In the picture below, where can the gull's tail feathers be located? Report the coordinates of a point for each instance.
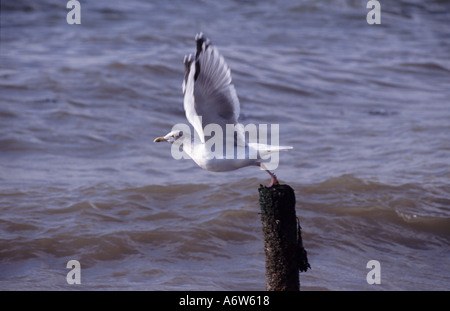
(264, 149)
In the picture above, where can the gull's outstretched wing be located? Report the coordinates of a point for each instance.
(209, 96)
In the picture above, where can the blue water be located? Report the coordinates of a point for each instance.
(366, 108)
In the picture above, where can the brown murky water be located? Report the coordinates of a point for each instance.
(366, 109)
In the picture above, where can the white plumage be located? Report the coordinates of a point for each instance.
(210, 98)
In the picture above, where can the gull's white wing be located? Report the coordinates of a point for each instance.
(209, 96)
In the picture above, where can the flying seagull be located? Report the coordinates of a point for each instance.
(210, 99)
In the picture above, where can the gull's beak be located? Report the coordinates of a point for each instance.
(159, 139)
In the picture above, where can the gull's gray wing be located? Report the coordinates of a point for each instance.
(209, 96)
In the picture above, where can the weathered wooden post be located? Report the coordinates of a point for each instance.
(283, 245)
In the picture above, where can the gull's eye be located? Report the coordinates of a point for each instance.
(180, 134)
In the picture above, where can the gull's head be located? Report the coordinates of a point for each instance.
(171, 137)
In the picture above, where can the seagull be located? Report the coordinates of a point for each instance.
(210, 98)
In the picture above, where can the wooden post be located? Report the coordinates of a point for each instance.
(283, 245)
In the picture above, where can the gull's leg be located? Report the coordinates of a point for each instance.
(273, 178)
